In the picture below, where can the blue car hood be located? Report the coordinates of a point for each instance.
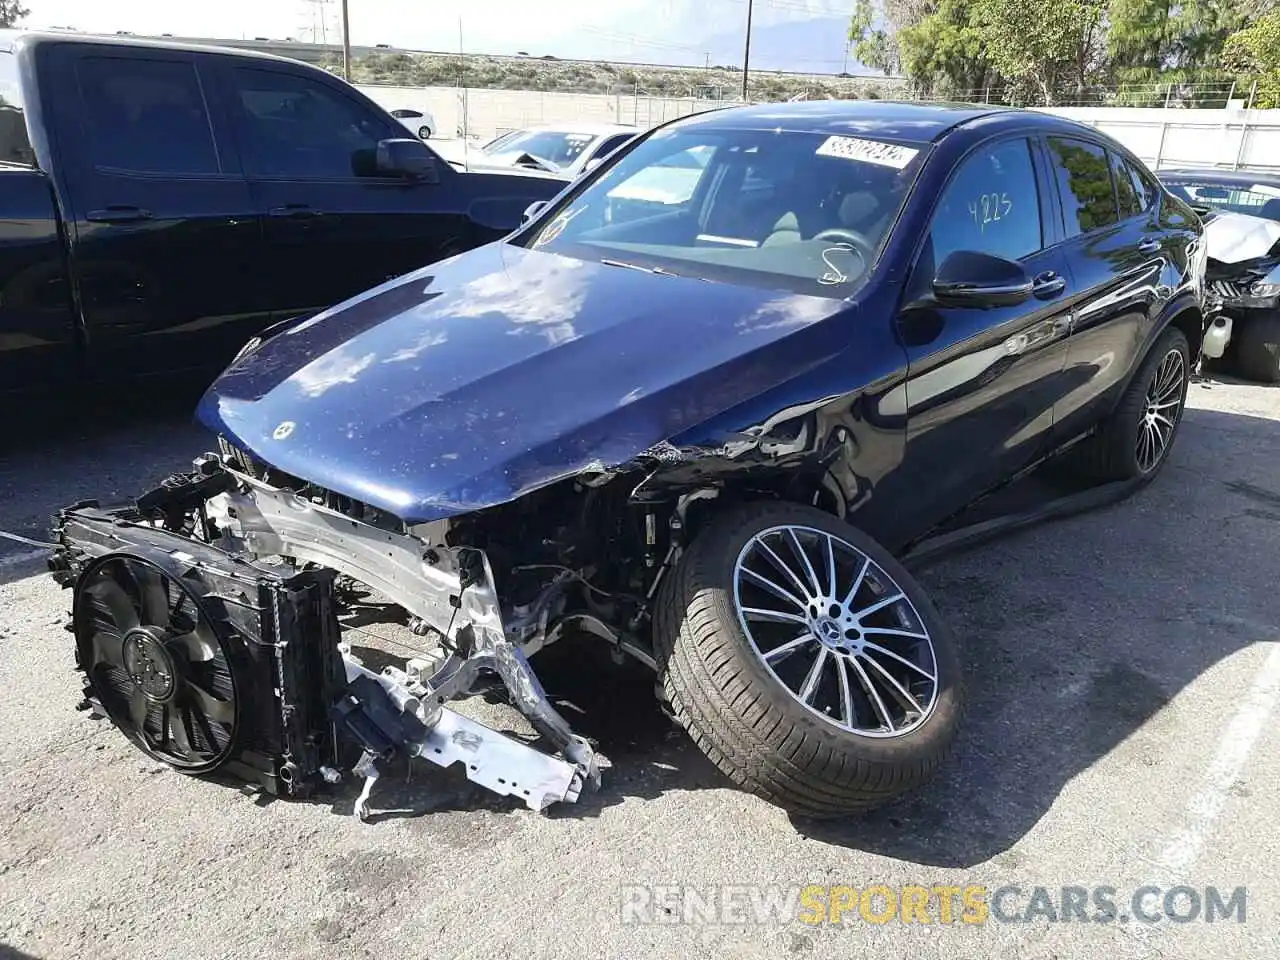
(480, 378)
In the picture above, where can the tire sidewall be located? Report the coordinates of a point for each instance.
(728, 537)
(1170, 339)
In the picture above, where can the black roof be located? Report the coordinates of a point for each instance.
(889, 119)
(10, 39)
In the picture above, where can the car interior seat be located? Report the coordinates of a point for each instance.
(1271, 209)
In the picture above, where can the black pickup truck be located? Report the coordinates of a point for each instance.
(162, 203)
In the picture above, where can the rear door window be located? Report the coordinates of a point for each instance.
(1084, 183)
(147, 115)
(1144, 189)
(1126, 195)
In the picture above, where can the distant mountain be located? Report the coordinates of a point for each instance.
(807, 36)
(805, 46)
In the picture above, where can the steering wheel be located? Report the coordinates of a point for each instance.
(855, 240)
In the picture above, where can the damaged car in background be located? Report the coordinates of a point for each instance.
(1241, 212)
(701, 430)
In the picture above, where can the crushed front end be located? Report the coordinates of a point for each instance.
(206, 625)
(1242, 276)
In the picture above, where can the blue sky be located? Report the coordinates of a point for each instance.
(645, 29)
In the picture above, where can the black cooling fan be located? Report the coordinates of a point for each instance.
(157, 662)
(206, 660)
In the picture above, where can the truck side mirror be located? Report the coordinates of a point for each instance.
(408, 158)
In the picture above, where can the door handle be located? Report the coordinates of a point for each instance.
(1149, 245)
(118, 213)
(295, 210)
(1048, 284)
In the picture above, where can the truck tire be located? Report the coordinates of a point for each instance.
(1257, 353)
(844, 699)
(1134, 440)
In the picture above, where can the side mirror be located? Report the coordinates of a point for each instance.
(408, 158)
(971, 279)
(591, 165)
(531, 211)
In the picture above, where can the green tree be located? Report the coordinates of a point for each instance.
(1042, 48)
(945, 52)
(873, 43)
(1180, 42)
(1254, 53)
(11, 11)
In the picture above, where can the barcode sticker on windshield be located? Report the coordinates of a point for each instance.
(868, 151)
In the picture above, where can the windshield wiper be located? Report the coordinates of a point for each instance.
(660, 271)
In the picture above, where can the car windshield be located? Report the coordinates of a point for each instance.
(561, 148)
(807, 212)
(1255, 199)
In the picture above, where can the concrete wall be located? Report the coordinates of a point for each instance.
(1192, 138)
(1161, 137)
(486, 113)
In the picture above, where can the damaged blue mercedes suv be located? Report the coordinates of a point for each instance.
(695, 408)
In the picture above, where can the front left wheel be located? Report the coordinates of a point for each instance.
(806, 662)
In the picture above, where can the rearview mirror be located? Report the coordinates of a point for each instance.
(971, 279)
(408, 158)
(532, 210)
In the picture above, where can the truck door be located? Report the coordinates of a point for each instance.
(165, 238)
(332, 226)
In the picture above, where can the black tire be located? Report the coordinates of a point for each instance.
(1112, 452)
(1257, 353)
(424, 132)
(741, 715)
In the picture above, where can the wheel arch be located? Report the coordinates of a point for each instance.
(1185, 314)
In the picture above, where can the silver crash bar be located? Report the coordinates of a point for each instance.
(424, 576)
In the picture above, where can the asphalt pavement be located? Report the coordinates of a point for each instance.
(1124, 672)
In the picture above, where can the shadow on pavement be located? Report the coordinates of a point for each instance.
(1074, 637)
(1075, 642)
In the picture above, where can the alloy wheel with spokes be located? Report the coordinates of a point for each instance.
(805, 660)
(1159, 420)
(835, 630)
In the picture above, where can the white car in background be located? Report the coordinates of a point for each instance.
(565, 150)
(420, 122)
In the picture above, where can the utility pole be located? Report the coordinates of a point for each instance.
(746, 52)
(346, 44)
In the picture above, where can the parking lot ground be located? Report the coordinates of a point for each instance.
(1124, 671)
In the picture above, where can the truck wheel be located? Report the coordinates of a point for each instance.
(1133, 442)
(806, 662)
(1258, 349)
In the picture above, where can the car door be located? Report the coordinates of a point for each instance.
(1117, 253)
(166, 242)
(333, 226)
(982, 381)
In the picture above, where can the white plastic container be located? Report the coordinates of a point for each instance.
(1217, 337)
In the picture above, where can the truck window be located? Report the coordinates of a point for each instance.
(294, 127)
(15, 147)
(147, 116)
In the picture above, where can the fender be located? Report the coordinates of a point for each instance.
(1182, 311)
